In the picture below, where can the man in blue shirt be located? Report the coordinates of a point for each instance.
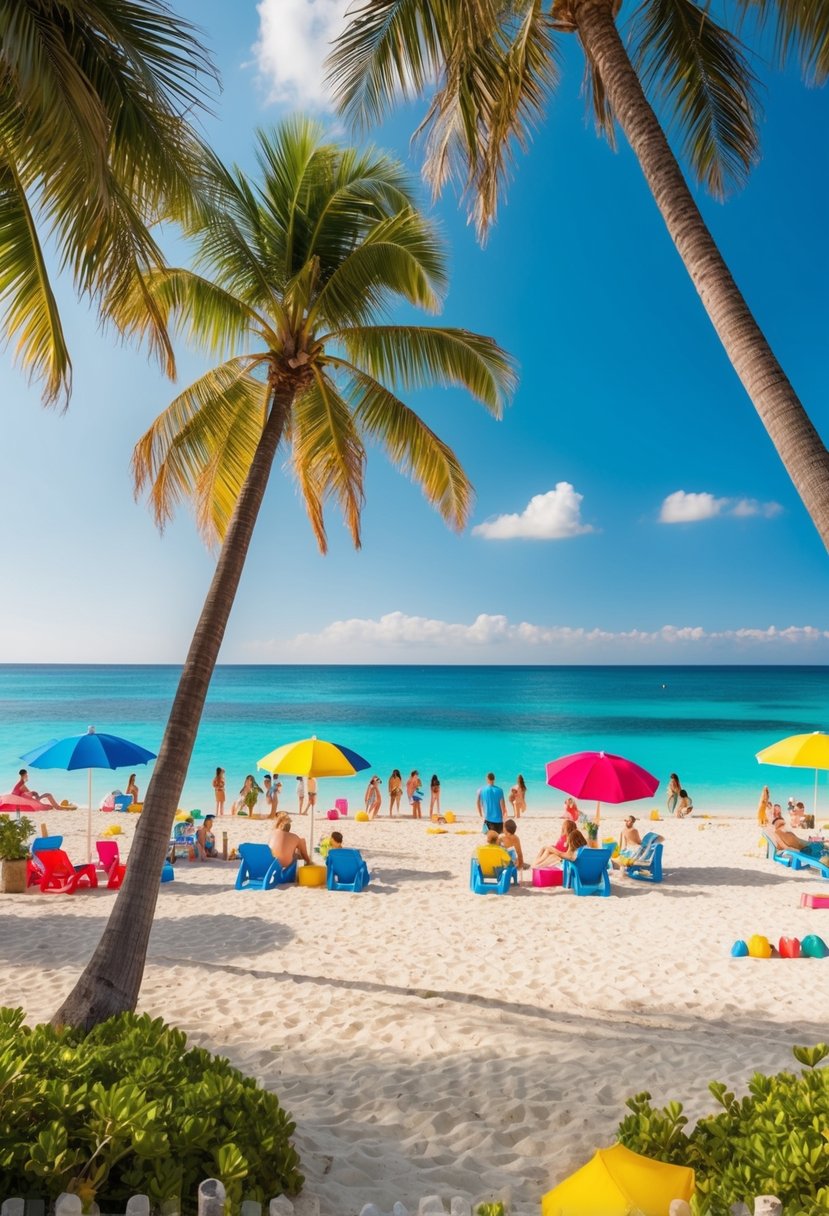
(491, 806)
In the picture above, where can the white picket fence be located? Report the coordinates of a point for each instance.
(212, 1202)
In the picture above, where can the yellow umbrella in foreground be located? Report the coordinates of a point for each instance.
(617, 1181)
(799, 751)
(313, 758)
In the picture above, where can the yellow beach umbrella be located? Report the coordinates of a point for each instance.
(617, 1181)
(799, 751)
(313, 758)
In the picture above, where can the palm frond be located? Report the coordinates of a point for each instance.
(30, 315)
(417, 356)
(414, 448)
(799, 30)
(328, 456)
(699, 75)
(223, 407)
(400, 256)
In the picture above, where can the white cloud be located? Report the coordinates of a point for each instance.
(295, 38)
(555, 515)
(399, 637)
(682, 507)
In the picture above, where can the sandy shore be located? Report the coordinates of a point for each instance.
(429, 1040)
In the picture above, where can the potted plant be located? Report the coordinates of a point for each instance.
(13, 853)
(592, 833)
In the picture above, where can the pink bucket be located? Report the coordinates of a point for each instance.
(342, 805)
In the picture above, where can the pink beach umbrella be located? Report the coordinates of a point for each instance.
(601, 776)
(17, 802)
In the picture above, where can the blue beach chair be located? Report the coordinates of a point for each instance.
(587, 873)
(784, 857)
(346, 870)
(489, 874)
(646, 865)
(260, 871)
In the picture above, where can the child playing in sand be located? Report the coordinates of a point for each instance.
(510, 841)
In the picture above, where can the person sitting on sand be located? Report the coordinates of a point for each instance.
(21, 790)
(784, 839)
(335, 841)
(565, 847)
(205, 840)
(285, 845)
(685, 805)
(509, 840)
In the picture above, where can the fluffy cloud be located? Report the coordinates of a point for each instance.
(555, 515)
(682, 507)
(398, 636)
(295, 38)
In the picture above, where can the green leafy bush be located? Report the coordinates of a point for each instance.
(774, 1141)
(128, 1108)
(13, 836)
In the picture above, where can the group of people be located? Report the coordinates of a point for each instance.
(415, 795)
(680, 803)
(769, 811)
(270, 791)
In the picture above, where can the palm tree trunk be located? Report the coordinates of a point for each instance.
(111, 980)
(789, 426)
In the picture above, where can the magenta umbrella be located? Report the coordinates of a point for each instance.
(601, 776)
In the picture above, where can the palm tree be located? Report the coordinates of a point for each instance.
(491, 65)
(93, 148)
(295, 274)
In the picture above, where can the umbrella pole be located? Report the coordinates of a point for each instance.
(89, 817)
(815, 806)
(311, 833)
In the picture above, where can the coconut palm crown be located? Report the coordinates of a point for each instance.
(294, 279)
(95, 146)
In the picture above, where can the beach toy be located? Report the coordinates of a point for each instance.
(450, 816)
(655, 816)
(436, 832)
(135, 809)
(196, 814)
(814, 947)
(739, 949)
(311, 876)
(167, 872)
(548, 876)
(114, 829)
(181, 815)
(788, 947)
(759, 946)
(814, 901)
(333, 815)
(361, 817)
(341, 805)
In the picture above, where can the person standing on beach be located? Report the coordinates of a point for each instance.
(395, 791)
(300, 793)
(373, 799)
(219, 788)
(266, 781)
(764, 808)
(414, 792)
(312, 793)
(491, 806)
(518, 797)
(674, 788)
(434, 797)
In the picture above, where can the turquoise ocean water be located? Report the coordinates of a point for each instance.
(706, 723)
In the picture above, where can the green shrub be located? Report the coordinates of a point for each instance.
(128, 1108)
(774, 1141)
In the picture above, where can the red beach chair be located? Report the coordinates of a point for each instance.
(109, 856)
(60, 876)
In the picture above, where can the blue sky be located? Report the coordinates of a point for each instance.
(627, 412)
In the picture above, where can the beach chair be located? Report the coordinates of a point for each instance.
(109, 858)
(646, 865)
(182, 843)
(60, 877)
(346, 870)
(784, 857)
(809, 862)
(260, 871)
(34, 868)
(587, 873)
(489, 874)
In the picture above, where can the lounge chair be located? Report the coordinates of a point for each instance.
(489, 874)
(109, 857)
(587, 873)
(808, 861)
(60, 877)
(647, 863)
(40, 844)
(784, 857)
(260, 871)
(346, 870)
(182, 843)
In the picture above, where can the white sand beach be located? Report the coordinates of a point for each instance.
(427, 1040)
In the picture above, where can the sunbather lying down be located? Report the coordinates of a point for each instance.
(786, 839)
(21, 790)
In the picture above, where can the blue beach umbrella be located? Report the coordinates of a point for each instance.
(88, 751)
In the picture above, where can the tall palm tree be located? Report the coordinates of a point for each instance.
(490, 66)
(94, 147)
(295, 274)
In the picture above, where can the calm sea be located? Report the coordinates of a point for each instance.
(706, 723)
